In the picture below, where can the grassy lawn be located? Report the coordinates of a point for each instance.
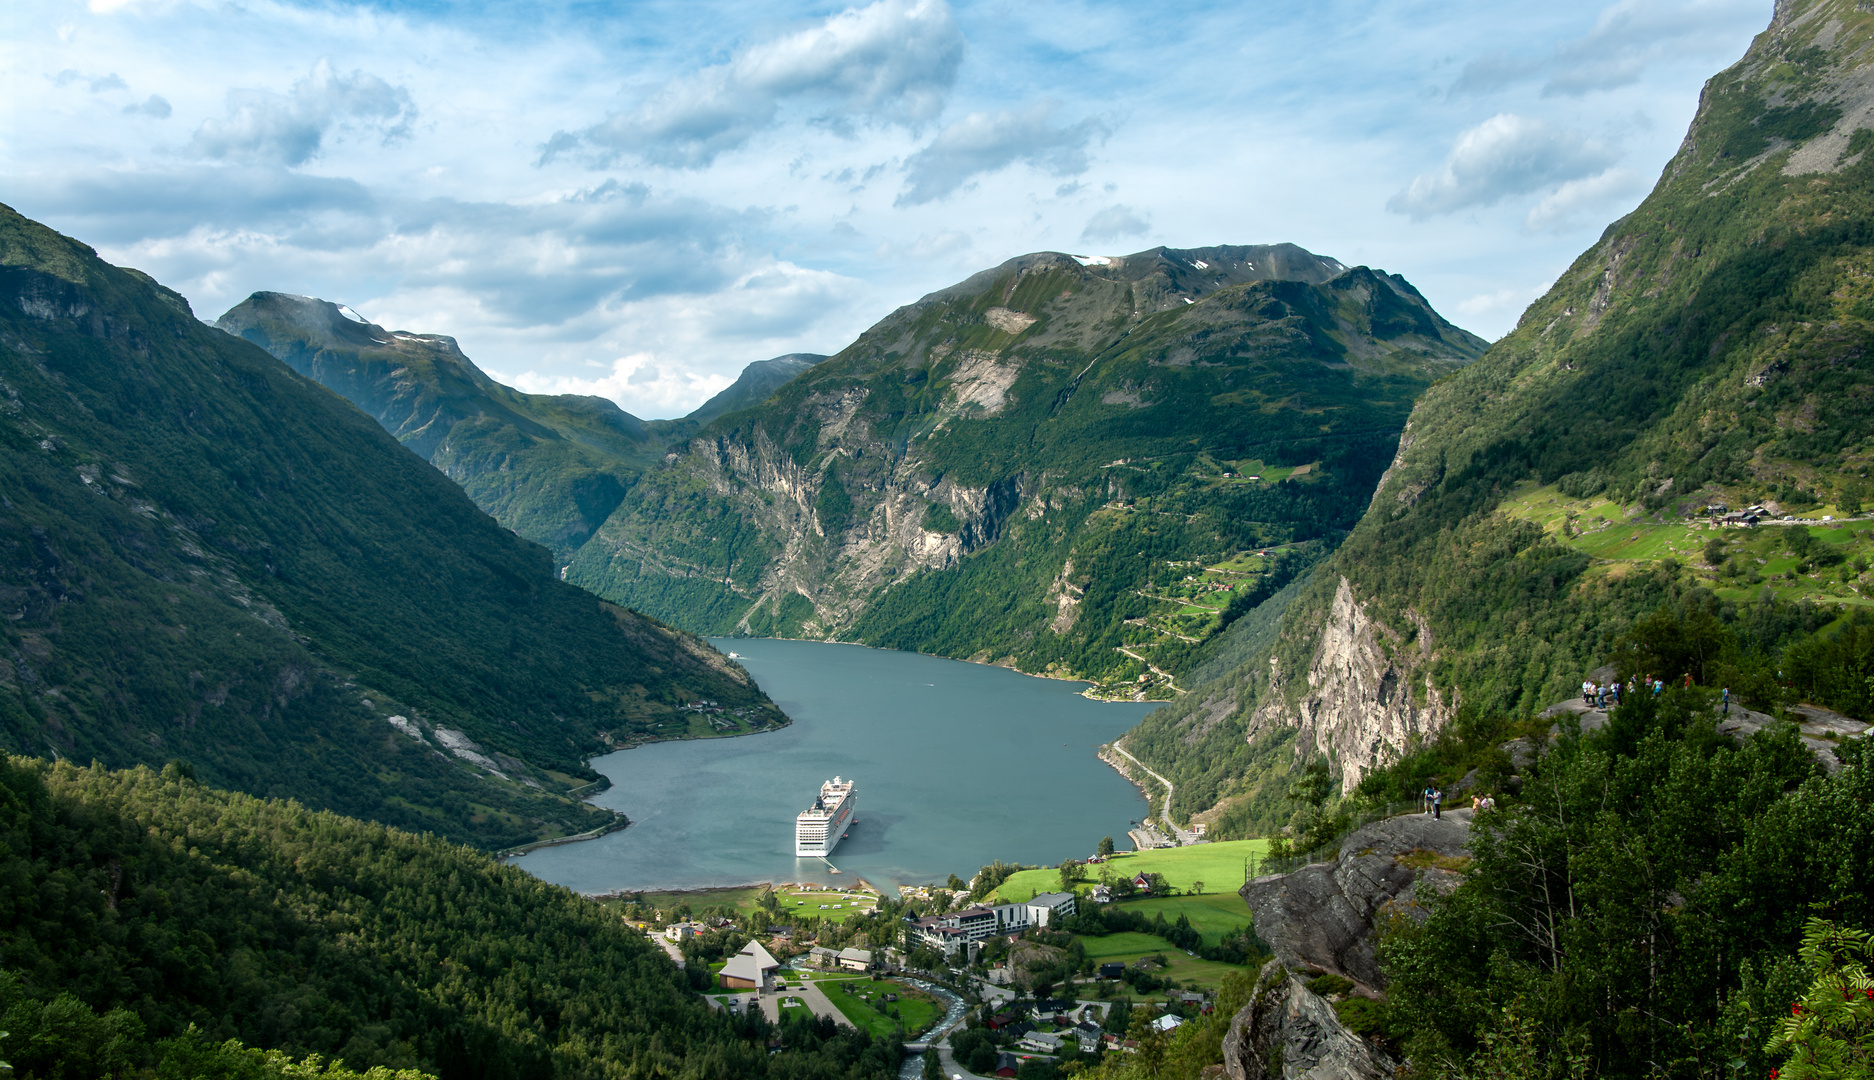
(1218, 866)
(855, 999)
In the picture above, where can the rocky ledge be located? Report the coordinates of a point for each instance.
(1322, 918)
(1288, 1032)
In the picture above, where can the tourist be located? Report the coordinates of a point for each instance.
(1587, 691)
(1438, 797)
(1727, 701)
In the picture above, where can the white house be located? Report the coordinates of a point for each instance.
(856, 959)
(1167, 1022)
(1042, 1041)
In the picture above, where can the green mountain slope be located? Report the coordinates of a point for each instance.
(1710, 349)
(1067, 465)
(756, 384)
(550, 467)
(207, 556)
(135, 907)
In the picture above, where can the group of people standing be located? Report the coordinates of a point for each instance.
(1601, 695)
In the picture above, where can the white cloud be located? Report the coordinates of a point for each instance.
(635, 382)
(1502, 306)
(154, 106)
(892, 62)
(1586, 198)
(1631, 34)
(1116, 221)
(1627, 37)
(984, 142)
(1503, 156)
(262, 127)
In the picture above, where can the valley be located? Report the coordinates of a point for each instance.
(358, 718)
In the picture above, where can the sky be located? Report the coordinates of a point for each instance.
(637, 199)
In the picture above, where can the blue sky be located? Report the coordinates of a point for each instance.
(635, 200)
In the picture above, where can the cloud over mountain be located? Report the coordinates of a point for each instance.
(1625, 39)
(983, 142)
(891, 62)
(1114, 222)
(262, 127)
(1503, 156)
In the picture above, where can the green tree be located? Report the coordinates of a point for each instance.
(1106, 846)
(1829, 1034)
(1070, 874)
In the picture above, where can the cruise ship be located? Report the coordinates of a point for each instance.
(820, 827)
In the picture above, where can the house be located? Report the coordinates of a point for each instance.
(855, 959)
(1001, 1020)
(1051, 1006)
(1143, 884)
(821, 956)
(1007, 1064)
(1113, 971)
(1042, 1042)
(749, 969)
(1102, 894)
(1167, 1022)
(680, 931)
(1088, 1033)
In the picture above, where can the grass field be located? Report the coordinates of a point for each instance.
(859, 1000)
(1212, 915)
(1127, 948)
(1218, 866)
(1760, 557)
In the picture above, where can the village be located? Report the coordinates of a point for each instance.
(1017, 972)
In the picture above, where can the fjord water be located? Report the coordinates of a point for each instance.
(957, 764)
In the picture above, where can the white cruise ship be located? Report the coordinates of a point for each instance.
(820, 827)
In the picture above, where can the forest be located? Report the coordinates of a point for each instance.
(153, 926)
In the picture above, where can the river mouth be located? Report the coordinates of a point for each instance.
(957, 765)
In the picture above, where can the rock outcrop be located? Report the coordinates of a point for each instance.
(1288, 1032)
(1361, 706)
(1323, 917)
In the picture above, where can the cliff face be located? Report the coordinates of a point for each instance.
(1288, 1032)
(1366, 694)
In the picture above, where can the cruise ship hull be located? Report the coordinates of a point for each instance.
(818, 830)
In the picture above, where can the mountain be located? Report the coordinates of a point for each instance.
(551, 467)
(1072, 465)
(206, 556)
(1546, 511)
(757, 383)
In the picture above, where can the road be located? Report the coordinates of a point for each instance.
(1184, 836)
(1156, 670)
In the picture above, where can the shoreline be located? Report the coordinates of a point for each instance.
(1117, 761)
(1086, 693)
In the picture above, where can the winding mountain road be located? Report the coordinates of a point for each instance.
(1184, 836)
